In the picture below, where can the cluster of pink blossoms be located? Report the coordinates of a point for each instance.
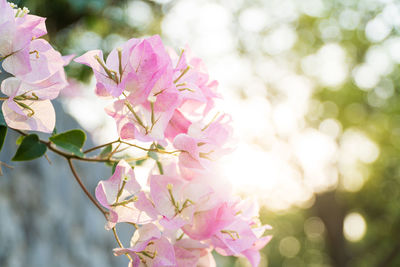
(36, 70)
(186, 210)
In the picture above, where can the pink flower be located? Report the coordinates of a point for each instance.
(177, 124)
(234, 238)
(47, 77)
(253, 253)
(203, 143)
(188, 252)
(146, 121)
(27, 107)
(119, 194)
(138, 67)
(16, 33)
(152, 70)
(111, 75)
(191, 79)
(176, 199)
(207, 223)
(25, 113)
(148, 245)
(246, 234)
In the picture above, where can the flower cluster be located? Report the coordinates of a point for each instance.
(35, 70)
(186, 210)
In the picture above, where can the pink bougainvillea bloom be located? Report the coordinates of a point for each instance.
(253, 253)
(191, 79)
(203, 143)
(47, 76)
(146, 121)
(234, 238)
(176, 199)
(111, 75)
(188, 252)
(177, 124)
(25, 114)
(119, 194)
(148, 244)
(137, 67)
(246, 220)
(207, 223)
(43, 120)
(35, 23)
(152, 70)
(68, 58)
(16, 33)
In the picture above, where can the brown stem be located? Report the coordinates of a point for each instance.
(100, 146)
(68, 155)
(114, 151)
(69, 158)
(150, 149)
(117, 238)
(119, 242)
(83, 187)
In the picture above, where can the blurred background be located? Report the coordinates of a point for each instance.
(313, 88)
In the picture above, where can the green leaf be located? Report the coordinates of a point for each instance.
(140, 162)
(107, 150)
(29, 149)
(113, 167)
(160, 168)
(160, 147)
(54, 131)
(153, 155)
(3, 133)
(72, 141)
(19, 140)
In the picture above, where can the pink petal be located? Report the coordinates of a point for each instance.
(43, 120)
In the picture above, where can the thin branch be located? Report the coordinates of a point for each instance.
(69, 158)
(150, 149)
(119, 242)
(100, 146)
(136, 159)
(83, 187)
(114, 151)
(6, 165)
(117, 238)
(68, 155)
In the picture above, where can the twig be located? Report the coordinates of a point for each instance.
(6, 165)
(100, 146)
(113, 152)
(48, 159)
(150, 149)
(84, 188)
(119, 242)
(68, 155)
